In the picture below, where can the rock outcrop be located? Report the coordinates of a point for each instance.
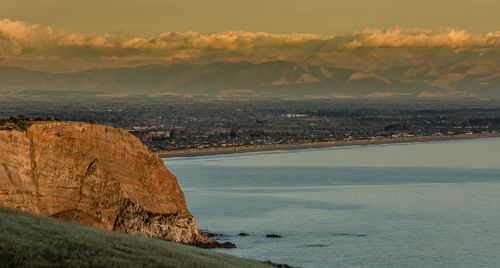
(95, 175)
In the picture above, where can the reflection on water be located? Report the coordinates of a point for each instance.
(425, 204)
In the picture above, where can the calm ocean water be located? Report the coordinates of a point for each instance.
(433, 204)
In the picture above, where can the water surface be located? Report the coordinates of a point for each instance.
(432, 204)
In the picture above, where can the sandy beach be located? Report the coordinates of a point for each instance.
(312, 145)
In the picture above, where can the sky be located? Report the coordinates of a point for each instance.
(436, 43)
(64, 35)
(328, 17)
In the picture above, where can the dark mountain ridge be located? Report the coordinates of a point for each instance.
(460, 78)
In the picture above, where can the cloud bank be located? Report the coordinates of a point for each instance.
(21, 41)
(18, 38)
(437, 37)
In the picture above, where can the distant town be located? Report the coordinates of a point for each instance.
(173, 124)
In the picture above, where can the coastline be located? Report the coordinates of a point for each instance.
(314, 145)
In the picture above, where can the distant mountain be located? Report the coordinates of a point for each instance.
(424, 78)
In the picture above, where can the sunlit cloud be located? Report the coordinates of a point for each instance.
(18, 38)
(21, 42)
(437, 37)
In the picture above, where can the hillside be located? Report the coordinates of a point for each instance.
(419, 79)
(31, 240)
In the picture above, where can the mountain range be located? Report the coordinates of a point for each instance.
(418, 79)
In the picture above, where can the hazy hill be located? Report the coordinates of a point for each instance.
(427, 79)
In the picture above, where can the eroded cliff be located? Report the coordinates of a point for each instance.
(95, 175)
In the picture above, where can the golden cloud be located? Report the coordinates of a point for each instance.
(21, 40)
(16, 37)
(411, 37)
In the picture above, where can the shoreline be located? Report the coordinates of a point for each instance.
(315, 145)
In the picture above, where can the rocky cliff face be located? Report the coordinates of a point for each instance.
(95, 175)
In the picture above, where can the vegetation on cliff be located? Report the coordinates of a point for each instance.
(23, 123)
(29, 240)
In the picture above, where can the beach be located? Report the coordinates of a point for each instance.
(313, 145)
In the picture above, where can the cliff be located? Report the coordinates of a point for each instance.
(94, 175)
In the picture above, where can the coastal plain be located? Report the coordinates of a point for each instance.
(313, 145)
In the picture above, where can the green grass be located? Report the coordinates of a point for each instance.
(30, 240)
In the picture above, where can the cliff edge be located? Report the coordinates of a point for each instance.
(95, 175)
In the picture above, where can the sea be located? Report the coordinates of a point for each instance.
(427, 204)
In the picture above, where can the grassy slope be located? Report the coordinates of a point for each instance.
(31, 240)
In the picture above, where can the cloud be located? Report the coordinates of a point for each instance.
(19, 38)
(411, 37)
(227, 40)
(23, 42)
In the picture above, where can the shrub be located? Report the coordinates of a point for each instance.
(20, 122)
(23, 123)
